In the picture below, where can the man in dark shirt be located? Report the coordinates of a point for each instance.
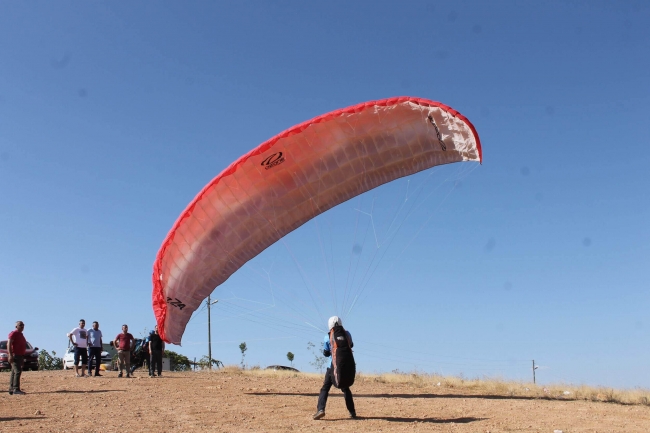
(156, 348)
(16, 347)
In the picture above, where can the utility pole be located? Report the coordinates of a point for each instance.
(210, 333)
(534, 368)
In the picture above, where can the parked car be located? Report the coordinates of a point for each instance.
(68, 358)
(107, 358)
(281, 367)
(31, 357)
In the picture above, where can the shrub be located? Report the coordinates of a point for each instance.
(177, 361)
(49, 362)
(204, 363)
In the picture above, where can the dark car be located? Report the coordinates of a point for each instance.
(31, 357)
(281, 367)
(139, 354)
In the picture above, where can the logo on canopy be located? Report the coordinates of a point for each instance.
(273, 160)
(442, 143)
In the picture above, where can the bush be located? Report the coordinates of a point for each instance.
(319, 359)
(49, 362)
(204, 363)
(177, 361)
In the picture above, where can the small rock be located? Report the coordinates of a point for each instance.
(566, 393)
(558, 431)
(38, 412)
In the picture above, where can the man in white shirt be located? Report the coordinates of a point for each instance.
(80, 344)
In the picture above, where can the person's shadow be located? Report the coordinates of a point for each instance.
(409, 396)
(75, 391)
(432, 420)
(463, 420)
(20, 418)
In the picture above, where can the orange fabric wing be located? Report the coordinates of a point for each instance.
(288, 180)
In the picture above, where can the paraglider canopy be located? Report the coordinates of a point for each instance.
(290, 179)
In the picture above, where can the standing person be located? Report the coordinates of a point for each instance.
(80, 344)
(16, 346)
(95, 345)
(123, 342)
(342, 369)
(156, 349)
(146, 353)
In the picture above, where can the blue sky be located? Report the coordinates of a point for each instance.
(113, 116)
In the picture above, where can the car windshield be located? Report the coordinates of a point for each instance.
(3, 345)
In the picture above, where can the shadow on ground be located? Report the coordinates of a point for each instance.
(78, 391)
(20, 418)
(464, 420)
(479, 396)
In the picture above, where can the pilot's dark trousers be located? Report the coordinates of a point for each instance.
(324, 392)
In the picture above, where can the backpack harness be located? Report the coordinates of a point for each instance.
(343, 365)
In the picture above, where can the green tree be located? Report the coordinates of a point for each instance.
(177, 361)
(290, 357)
(49, 362)
(319, 360)
(243, 349)
(204, 363)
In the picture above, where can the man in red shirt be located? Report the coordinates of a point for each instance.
(16, 350)
(123, 343)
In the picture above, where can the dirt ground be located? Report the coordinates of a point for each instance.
(234, 401)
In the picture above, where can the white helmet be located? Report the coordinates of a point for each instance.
(334, 321)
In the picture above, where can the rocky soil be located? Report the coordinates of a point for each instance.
(235, 401)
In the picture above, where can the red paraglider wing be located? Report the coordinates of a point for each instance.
(291, 178)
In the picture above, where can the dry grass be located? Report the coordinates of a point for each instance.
(485, 386)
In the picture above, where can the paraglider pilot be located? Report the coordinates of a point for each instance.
(342, 369)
